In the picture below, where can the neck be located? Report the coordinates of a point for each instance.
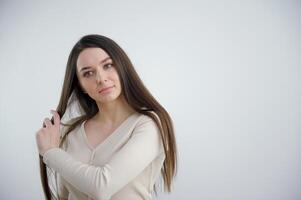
(113, 112)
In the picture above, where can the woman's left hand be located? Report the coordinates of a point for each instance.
(49, 136)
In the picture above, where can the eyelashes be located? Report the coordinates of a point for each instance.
(87, 74)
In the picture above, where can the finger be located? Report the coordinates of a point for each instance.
(37, 135)
(56, 117)
(47, 122)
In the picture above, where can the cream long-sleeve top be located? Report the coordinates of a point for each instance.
(124, 166)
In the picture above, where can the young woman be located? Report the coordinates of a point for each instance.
(122, 141)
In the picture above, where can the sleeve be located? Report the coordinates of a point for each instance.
(101, 182)
(62, 190)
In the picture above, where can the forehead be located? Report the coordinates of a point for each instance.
(90, 56)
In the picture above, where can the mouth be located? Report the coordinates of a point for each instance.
(105, 89)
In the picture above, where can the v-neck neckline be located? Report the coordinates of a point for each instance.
(108, 138)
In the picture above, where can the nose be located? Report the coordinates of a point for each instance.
(100, 77)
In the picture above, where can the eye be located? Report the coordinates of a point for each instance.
(109, 64)
(86, 74)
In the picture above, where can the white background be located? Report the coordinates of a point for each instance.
(227, 72)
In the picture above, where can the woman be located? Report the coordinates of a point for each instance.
(120, 143)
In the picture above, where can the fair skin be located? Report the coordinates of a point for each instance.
(95, 71)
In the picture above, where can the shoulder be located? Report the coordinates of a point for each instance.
(144, 117)
(147, 130)
(146, 121)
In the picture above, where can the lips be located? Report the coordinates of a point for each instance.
(105, 89)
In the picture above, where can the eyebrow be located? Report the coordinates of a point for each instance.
(104, 60)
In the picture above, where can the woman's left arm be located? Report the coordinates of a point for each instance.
(101, 182)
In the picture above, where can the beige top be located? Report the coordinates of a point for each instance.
(124, 166)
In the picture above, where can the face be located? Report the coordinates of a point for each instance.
(96, 71)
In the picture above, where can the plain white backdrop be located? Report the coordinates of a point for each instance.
(227, 72)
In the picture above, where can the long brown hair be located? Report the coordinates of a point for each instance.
(135, 93)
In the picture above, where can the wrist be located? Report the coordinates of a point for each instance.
(48, 149)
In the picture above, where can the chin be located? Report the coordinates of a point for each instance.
(109, 98)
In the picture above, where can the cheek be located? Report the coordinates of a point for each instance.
(86, 85)
(81, 82)
(116, 79)
(117, 83)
